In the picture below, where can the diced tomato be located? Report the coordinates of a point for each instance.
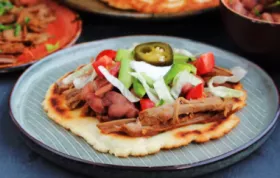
(146, 104)
(108, 52)
(105, 61)
(196, 92)
(205, 63)
(186, 88)
(115, 69)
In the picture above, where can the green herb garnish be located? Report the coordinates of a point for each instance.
(17, 29)
(52, 47)
(5, 27)
(5, 6)
(277, 3)
(26, 20)
(0, 51)
(257, 12)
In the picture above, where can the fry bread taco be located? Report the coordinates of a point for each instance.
(135, 102)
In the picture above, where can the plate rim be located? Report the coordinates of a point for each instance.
(141, 16)
(149, 168)
(69, 44)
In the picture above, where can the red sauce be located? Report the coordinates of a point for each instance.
(63, 30)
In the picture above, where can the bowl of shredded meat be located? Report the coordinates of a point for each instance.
(253, 25)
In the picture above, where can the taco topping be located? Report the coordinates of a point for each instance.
(155, 53)
(130, 91)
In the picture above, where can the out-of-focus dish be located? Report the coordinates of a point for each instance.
(140, 9)
(30, 30)
(259, 10)
(162, 6)
(253, 34)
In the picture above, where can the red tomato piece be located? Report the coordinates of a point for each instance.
(186, 88)
(205, 63)
(105, 61)
(108, 52)
(196, 92)
(146, 104)
(115, 69)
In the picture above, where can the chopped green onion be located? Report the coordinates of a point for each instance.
(257, 12)
(5, 27)
(50, 47)
(0, 51)
(4, 6)
(17, 29)
(26, 20)
(2, 11)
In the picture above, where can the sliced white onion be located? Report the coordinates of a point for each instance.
(82, 81)
(118, 84)
(224, 92)
(163, 91)
(84, 70)
(150, 92)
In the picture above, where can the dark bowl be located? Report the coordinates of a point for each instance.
(252, 36)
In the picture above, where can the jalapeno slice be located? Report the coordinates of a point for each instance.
(155, 53)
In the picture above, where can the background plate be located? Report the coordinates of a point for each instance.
(98, 7)
(74, 37)
(257, 118)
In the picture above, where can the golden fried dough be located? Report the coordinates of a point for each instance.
(162, 6)
(123, 146)
(119, 4)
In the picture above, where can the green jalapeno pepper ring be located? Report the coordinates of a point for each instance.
(155, 53)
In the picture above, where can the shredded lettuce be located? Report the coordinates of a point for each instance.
(148, 79)
(163, 91)
(154, 72)
(184, 52)
(118, 84)
(150, 91)
(224, 92)
(80, 82)
(181, 79)
(177, 68)
(84, 70)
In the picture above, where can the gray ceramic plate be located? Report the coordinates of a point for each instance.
(257, 118)
(98, 7)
